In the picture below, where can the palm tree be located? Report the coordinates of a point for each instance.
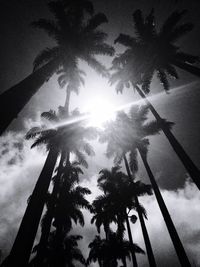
(75, 40)
(69, 202)
(107, 252)
(151, 52)
(128, 134)
(69, 253)
(71, 209)
(120, 193)
(68, 137)
(97, 251)
(67, 208)
(72, 79)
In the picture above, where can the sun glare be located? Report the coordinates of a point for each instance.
(100, 110)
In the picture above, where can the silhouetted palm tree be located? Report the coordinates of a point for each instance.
(75, 39)
(102, 217)
(128, 134)
(97, 251)
(119, 196)
(107, 252)
(71, 199)
(68, 137)
(71, 209)
(68, 256)
(150, 52)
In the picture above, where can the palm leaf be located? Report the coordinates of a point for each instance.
(96, 65)
(126, 40)
(171, 22)
(138, 22)
(48, 26)
(96, 21)
(81, 158)
(171, 71)
(50, 115)
(180, 31)
(33, 132)
(163, 80)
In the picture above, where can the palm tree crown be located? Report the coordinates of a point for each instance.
(129, 132)
(75, 38)
(151, 51)
(71, 137)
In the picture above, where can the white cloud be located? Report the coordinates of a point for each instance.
(20, 167)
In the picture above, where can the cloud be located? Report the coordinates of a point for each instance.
(20, 166)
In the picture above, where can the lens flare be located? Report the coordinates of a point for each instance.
(100, 111)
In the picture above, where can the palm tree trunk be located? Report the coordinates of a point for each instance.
(134, 260)
(120, 230)
(183, 156)
(21, 250)
(49, 216)
(68, 93)
(13, 100)
(151, 258)
(187, 67)
(59, 236)
(180, 251)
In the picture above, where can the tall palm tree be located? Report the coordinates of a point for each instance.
(75, 40)
(128, 134)
(151, 52)
(121, 193)
(70, 137)
(70, 200)
(71, 209)
(67, 208)
(71, 79)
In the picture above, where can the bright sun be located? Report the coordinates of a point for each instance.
(100, 111)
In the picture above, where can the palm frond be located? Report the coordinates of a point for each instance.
(81, 158)
(97, 66)
(33, 132)
(103, 49)
(150, 22)
(143, 210)
(171, 22)
(138, 22)
(62, 80)
(180, 31)
(48, 26)
(171, 71)
(119, 87)
(85, 5)
(126, 40)
(50, 115)
(151, 128)
(88, 149)
(146, 81)
(137, 249)
(163, 80)
(96, 21)
(185, 57)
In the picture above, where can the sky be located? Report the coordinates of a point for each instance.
(20, 165)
